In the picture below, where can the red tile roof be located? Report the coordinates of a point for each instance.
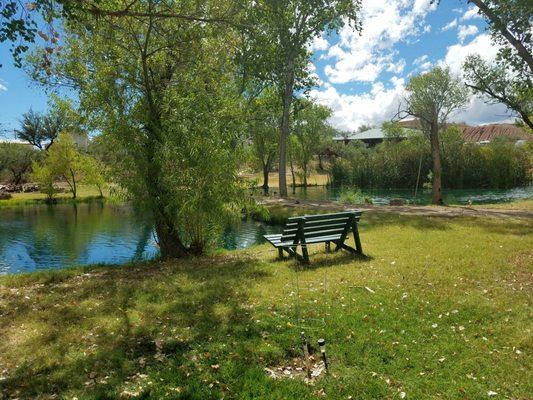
(482, 132)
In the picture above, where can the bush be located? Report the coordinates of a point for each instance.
(399, 164)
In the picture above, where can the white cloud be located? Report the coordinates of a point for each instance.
(478, 112)
(385, 23)
(465, 31)
(450, 25)
(3, 86)
(396, 67)
(420, 60)
(425, 66)
(456, 54)
(471, 13)
(319, 43)
(352, 111)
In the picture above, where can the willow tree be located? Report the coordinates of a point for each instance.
(431, 98)
(281, 31)
(163, 92)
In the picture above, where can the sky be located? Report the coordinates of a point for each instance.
(361, 77)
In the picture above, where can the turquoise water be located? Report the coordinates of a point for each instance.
(44, 237)
(383, 196)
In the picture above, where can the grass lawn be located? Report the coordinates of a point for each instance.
(440, 309)
(85, 193)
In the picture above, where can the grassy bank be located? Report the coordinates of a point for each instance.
(85, 193)
(315, 179)
(440, 309)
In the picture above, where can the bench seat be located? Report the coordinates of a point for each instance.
(312, 229)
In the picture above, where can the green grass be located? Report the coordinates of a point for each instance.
(447, 316)
(85, 193)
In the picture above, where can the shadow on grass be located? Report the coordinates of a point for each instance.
(97, 331)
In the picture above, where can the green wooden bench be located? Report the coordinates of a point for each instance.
(321, 228)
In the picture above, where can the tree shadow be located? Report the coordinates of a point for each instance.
(97, 331)
(326, 260)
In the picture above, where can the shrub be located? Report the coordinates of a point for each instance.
(400, 164)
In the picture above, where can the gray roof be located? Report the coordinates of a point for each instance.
(370, 134)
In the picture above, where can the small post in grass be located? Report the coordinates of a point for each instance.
(305, 346)
(322, 346)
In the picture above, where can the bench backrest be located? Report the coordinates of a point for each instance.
(319, 225)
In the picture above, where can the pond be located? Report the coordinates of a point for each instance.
(45, 237)
(383, 196)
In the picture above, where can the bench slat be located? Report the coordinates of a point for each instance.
(320, 239)
(322, 232)
(315, 227)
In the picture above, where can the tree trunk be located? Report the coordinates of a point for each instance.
(526, 119)
(284, 130)
(305, 175)
(320, 165)
(266, 170)
(292, 174)
(437, 168)
(169, 241)
(73, 186)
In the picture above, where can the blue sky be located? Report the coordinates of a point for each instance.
(361, 77)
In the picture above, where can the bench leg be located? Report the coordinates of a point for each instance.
(305, 254)
(280, 253)
(356, 238)
(328, 247)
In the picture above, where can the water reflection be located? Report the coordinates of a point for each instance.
(41, 237)
(383, 196)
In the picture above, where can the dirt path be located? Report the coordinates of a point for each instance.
(437, 211)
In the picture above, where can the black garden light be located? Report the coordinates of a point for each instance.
(322, 346)
(305, 346)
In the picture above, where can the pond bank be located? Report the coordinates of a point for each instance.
(280, 209)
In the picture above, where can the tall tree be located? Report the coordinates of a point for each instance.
(432, 97)
(65, 162)
(165, 93)
(17, 159)
(310, 130)
(39, 130)
(282, 30)
(263, 122)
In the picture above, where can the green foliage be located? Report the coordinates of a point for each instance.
(352, 196)
(44, 176)
(93, 172)
(170, 115)
(263, 124)
(500, 164)
(433, 96)
(17, 160)
(40, 130)
(508, 79)
(495, 81)
(310, 131)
